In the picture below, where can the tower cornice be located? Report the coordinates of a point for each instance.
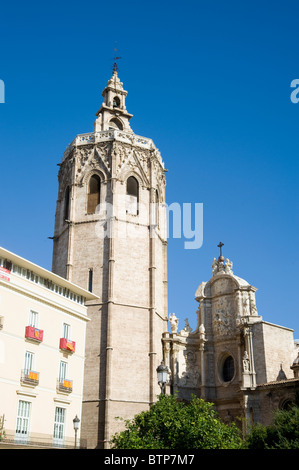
(115, 111)
(82, 140)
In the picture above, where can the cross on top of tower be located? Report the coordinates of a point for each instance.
(115, 66)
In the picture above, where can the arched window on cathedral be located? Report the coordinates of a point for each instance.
(115, 124)
(67, 204)
(287, 404)
(94, 192)
(132, 196)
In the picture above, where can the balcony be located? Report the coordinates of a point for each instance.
(109, 135)
(29, 377)
(67, 345)
(34, 334)
(65, 385)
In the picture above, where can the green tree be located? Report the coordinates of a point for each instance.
(173, 424)
(2, 430)
(283, 433)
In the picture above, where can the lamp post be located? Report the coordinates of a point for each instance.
(162, 372)
(76, 422)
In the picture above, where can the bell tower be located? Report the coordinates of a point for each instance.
(113, 113)
(111, 238)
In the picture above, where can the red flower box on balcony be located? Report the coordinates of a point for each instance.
(34, 333)
(67, 345)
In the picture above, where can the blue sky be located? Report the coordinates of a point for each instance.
(209, 82)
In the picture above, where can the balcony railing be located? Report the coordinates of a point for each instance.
(65, 385)
(30, 377)
(112, 134)
(43, 441)
(34, 334)
(67, 345)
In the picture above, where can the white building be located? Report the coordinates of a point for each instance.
(42, 347)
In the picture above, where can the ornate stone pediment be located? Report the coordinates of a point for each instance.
(129, 159)
(93, 157)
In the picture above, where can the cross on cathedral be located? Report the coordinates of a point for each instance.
(221, 258)
(220, 246)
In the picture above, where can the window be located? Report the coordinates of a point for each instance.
(287, 404)
(33, 319)
(132, 196)
(7, 265)
(62, 371)
(28, 362)
(29, 376)
(59, 422)
(67, 331)
(67, 204)
(23, 418)
(93, 197)
(228, 369)
(90, 279)
(116, 102)
(115, 124)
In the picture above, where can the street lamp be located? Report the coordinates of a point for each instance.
(162, 372)
(76, 422)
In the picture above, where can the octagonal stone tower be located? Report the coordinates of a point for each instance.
(111, 238)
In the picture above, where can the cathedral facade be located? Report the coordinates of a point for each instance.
(246, 366)
(111, 239)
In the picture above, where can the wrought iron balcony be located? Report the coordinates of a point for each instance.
(30, 377)
(65, 385)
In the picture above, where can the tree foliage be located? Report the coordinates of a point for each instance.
(173, 424)
(283, 433)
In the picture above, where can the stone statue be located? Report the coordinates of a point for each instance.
(201, 329)
(187, 326)
(214, 267)
(174, 322)
(202, 332)
(228, 266)
(246, 363)
(246, 306)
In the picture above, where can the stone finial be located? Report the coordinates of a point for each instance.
(187, 329)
